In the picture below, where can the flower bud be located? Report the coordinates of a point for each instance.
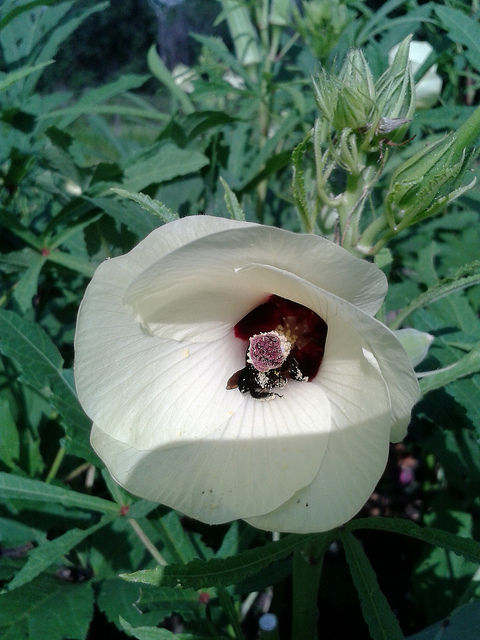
(356, 96)
(347, 101)
(416, 344)
(356, 75)
(395, 92)
(428, 89)
(423, 185)
(351, 111)
(321, 23)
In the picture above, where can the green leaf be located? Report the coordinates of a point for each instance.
(233, 206)
(92, 98)
(156, 208)
(27, 287)
(160, 71)
(269, 149)
(14, 76)
(154, 633)
(52, 551)
(9, 438)
(381, 621)
(144, 607)
(438, 568)
(29, 346)
(466, 391)
(178, 546)
(467, 276)
(461, 29)
(25, 7)
(55, 34)
(19, 488)
(221, 572)
(299, 192)
(466, 547)
(219, 50)
(41, 365)
(163, 162)
(46, 609)
(466, 366)
(463, 624)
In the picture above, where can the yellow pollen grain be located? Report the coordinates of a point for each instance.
(186, 353)
(287, 334)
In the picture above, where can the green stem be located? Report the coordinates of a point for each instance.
(229, 609)
(55, 465)
(367, 239)
(147, 543)
(72, 262)
(351, 208)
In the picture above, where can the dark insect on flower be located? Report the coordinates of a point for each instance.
(260, 383)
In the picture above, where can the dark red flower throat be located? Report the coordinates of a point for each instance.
(285, 339)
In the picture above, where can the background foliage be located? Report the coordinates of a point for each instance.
(80, 139)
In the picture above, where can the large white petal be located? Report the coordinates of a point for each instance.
(194, 292)
(256, 461)
(397, 372)
(358, 445)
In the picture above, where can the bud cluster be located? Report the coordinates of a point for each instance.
(373, 110)
(361, 119)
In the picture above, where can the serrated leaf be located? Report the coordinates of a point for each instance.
(298, 184)
(438, 568)
(221, 572)
(19, 488)
(161, 72)
(18, 10)
(461, 29)
(381, 621)
(55, 32)
(162, 163)
(467, 276)
(41, 365)
(31, 348)
(233, 206)
(218, 49)
(156, 208)
(467, 391)
(14, 76)
(47, 609)
(27, 286)
(466, 547)
(178, 548)
(52, 551)
(94, 97)
(268, 150)
(118, 598)
(154, 633)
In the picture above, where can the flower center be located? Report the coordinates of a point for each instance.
(285, 340)
(268, 351)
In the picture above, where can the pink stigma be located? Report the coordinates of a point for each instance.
(266, 351)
